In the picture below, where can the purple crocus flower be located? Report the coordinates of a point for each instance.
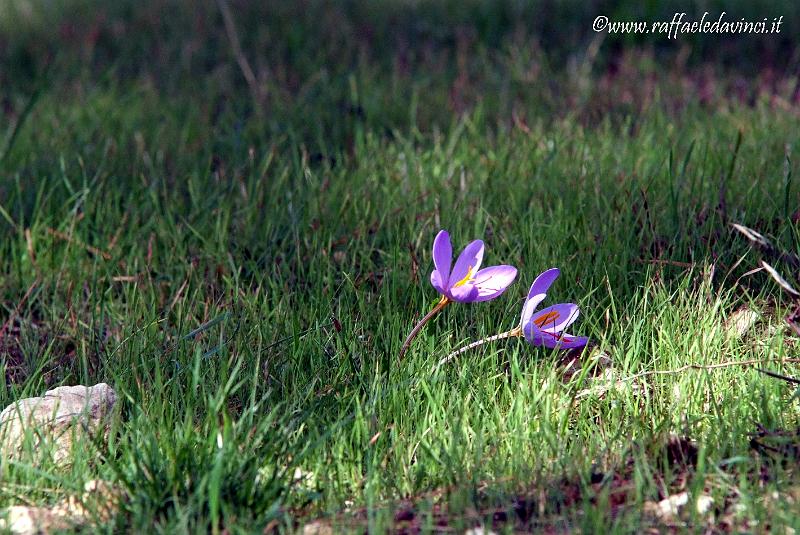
(542, 328)
(546, 327)
(466, 283)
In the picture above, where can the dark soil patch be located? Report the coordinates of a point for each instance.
(12, 360)
(556, 506)
(24, 344)
(779, 445)
(548, 508)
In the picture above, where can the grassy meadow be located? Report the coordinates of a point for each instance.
(242, 255)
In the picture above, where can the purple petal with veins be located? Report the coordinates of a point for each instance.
(549, 321)
(466, 293)
(545, 327)
(442, 257)
(530, 307)
(556, 318)
(436, 281)
(467, 283)
(562, 341)
(468, 263)
(543, 282)
(493, 281)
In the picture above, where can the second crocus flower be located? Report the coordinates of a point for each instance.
(546, 327)
(541, 328)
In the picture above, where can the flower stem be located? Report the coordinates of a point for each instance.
(415, 331)
(508, 334)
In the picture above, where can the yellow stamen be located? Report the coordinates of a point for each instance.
(550, 317)
(465, 280)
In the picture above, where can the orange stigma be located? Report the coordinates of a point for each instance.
(550, 317)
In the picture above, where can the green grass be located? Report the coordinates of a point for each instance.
(245, 283)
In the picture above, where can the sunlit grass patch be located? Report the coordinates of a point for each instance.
(245, 283)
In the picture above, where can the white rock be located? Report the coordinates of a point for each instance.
(317, 527)
(98, 502)
(704, 503)
(20, 519)
(61, 415)
(741, 321)
(669, 506)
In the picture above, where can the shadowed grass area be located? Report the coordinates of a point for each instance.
(244, 279)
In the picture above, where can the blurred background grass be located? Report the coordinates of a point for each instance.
(324, 71)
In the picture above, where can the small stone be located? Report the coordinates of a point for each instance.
(62, 415)
(741, 321)
(704, 503)
(23, 520)
(304, 480)
(317, 528)
(98, 502)
(671, 505)
(667, 508)
(100, 499)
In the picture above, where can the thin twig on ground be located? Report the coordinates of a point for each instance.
(508, 334)
(117, 234)
(780, 376)
(766, 247)
(241, 59)
(76, 241)
(708, 367)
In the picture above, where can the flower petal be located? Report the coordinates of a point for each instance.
(543, 282)
(531, 332)
(568, 341)
(493, 281)
(562, 341)
(468, 263)
(465, 293)
(442, 256)
(530, 307)
(556, 318)
(538, 337)
(436, 281)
